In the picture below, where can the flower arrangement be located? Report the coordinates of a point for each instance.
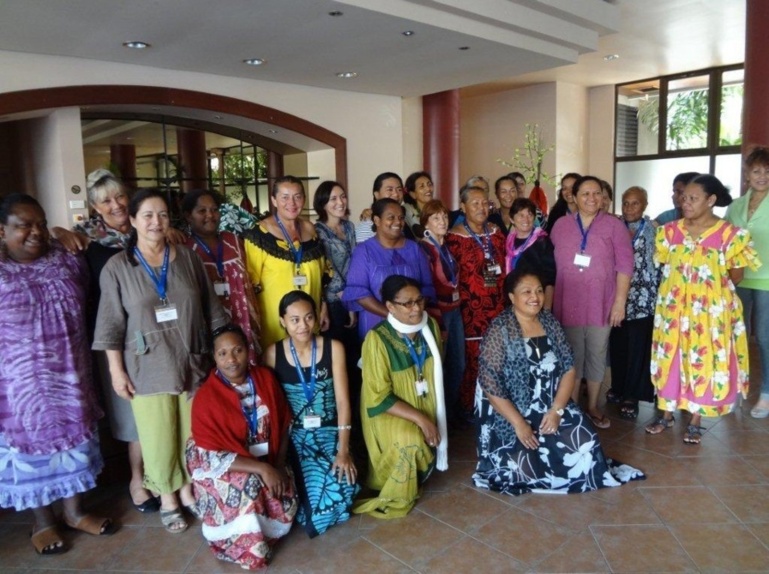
(528, 160)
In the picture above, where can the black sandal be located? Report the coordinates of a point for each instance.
(628, 410)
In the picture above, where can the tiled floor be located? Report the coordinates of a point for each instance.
(702, 509)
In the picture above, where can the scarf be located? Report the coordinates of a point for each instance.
(514, 253)
(442, 462)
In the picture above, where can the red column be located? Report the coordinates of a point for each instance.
(123, 157)
(440, 141)
(274, 167)
(193, 159)
(755, 120)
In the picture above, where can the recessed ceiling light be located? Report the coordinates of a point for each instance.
(464, 47)
(408, 33)
(254, 61)
(347, 75)
(273, 131)
(611, 57)
(136, 45)
(217, 117)
(335, 13)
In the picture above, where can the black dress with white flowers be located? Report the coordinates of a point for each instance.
(570, 460)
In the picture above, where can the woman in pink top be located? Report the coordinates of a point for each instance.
(594, 263)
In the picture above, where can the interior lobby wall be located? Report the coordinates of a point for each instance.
(413, 142)
(600, 132)
(371, 124)
(571, 110)
(493, 125)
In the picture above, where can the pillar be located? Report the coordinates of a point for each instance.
(440, 129)
(755, 120)
(123, 157)
(193, 159)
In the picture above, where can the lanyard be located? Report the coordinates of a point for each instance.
(419, 360)
(637, 231)
(252, 418)
(160, 282)
(309, 390)
(445, 255)
(583, 232)
(297, 253)
(219, 259)
(517, 253)
(485, 244)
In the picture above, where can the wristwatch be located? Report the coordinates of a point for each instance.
(559, 412)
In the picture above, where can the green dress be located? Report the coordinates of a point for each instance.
(399, 458)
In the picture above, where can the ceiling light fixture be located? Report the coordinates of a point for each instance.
(136, 45)
(347, 75)
(217, 117)
(254, 61)
(273, 131)
(408, 33)
(611, 57)
(335, 13)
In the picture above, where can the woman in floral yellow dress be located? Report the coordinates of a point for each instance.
(700, 349)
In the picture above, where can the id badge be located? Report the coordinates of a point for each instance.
(300, 280)
(493, 269)
(311, 421)
(582, 260)
(259, 449)
(455, 296)
(165, 313)
(421, 387)
(222, 289)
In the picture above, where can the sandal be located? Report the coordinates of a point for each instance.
(601, 422)
(628, 410)
(47, 541)
(612, 397)
(91, 524)
(173, 520)
(693, 434)
(152, 504)
(661, 424)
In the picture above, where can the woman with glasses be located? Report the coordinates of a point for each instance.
(402, 403)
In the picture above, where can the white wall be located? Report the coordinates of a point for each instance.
(372, 124)
(493, 125)
(413, 142)
(571, 109)
(600, 141)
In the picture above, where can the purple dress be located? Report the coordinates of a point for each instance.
(371, 264)
(49, 446)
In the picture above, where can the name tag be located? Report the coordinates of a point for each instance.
(259, 449)
(493, 269)
(311, 421)
(582, 260)
(222, 289)
(300, 280)
(165, 313)
(455, 296)
(421, 387)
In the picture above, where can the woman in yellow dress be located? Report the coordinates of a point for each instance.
(699, 349)
(283, 253)
(402, 403)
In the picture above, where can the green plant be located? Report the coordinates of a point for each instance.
(528, 160)
(687, 120)
(241, 170)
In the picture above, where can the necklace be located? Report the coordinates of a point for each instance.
(755, 203)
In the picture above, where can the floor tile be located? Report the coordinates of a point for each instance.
(463, 508)
(642, 549)
(471, 556)
(760, 463)
(722, 547)
(152, 548)
(726, 470)
(749, 503)
(580, 553)
(688, 504)
(747, 442)
(360, 557)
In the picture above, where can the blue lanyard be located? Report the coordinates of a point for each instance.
(637, 231)
(519, 252)
(252, 418)
(451, 264)
(219, 259)
(297, 253)
(309, 390)
(419, 360)
(583, 232)
(485, 245)
(160, 282)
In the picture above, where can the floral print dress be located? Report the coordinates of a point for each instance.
(700, 349)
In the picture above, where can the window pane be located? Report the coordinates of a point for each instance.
(687, 124)
(730, 126)
(638, 115)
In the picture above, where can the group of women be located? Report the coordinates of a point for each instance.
(247, 361)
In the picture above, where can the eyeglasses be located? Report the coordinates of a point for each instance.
(411, 304)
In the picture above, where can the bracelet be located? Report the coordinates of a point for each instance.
(344, 427)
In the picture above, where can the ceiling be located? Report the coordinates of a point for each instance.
(508, 43)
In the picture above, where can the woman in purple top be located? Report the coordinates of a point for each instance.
(49, 444)
(594, 263)
(373, 261)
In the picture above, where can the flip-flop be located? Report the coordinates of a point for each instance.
(45, 541)
(601, 422)
(170, 518)
(95, 525)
